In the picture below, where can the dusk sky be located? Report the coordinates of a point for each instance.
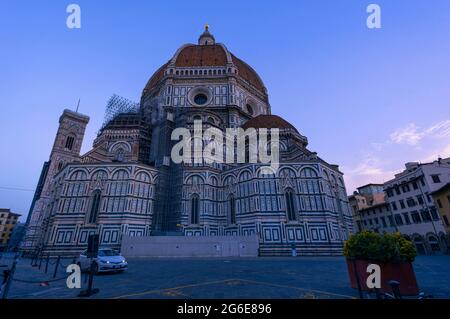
(368, 100)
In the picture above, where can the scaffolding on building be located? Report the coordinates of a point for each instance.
(119, 105)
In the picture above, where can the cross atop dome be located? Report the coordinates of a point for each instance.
(206, 38)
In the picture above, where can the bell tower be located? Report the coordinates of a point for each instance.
(68, 140)
(66, 148)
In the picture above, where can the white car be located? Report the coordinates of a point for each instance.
(107, 260)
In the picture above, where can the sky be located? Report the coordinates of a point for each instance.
(368, 100)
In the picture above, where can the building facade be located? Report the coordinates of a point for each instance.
(415, 214)
(16, 237)
(8, 222)
(411, 206)
(414, 203)
(128, 184)
(364, 202)
(441, 199)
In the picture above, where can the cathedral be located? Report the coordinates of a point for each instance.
(128, 184)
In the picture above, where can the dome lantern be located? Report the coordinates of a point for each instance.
(206, 38)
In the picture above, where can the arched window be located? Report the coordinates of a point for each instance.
(420, 247)
(308, 173)
(95, 207)
(247, 150)
(195, 208)
(232, 210)
(78, 175)
(249, 109)
(434, 243)
(290, 207)
(120, 174)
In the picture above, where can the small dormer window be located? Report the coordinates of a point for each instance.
(435, 178)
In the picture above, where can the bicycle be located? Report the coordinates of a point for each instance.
(395, 287)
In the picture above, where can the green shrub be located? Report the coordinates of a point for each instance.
(372, 246)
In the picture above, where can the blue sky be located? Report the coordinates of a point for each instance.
(368, 100)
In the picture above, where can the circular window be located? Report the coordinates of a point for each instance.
(200, 96)
(200, 99)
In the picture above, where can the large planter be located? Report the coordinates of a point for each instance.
(402, 272)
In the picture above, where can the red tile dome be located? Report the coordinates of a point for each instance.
(208, 55)
(201, 55)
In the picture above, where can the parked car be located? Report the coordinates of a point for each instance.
(107, 260)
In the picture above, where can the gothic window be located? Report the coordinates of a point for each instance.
(214, 184)
(195, 208)
(247, 150)
(60, 165)
(290, 207)
(249, 109)
(95, 207)
(232, 210)
(69, 142)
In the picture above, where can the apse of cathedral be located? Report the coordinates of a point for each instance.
(127, 184)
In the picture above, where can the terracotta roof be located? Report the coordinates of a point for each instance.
(202, 55)
(268, 121)
(384, 204)
(246, 72)
(158, 75)
(208, 56)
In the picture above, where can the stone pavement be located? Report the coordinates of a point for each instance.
(187, 278)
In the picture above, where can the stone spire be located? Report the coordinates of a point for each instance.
(206, 38)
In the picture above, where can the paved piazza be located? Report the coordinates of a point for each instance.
(303, 277)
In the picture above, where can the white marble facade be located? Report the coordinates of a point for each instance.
(127, 184)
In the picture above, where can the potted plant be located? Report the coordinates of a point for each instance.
(392, 252)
